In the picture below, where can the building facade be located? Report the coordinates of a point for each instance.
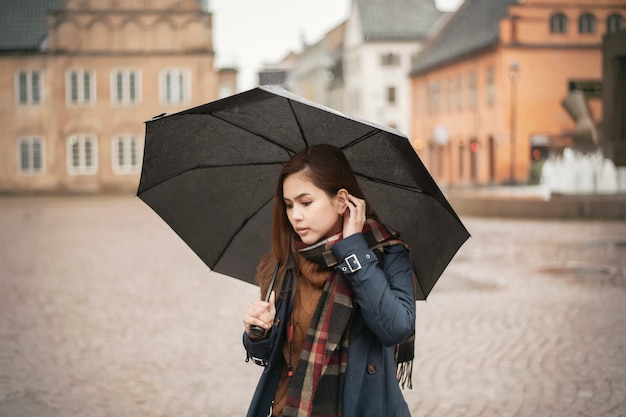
(79, 78)
(381, 37)
(488, 91)
(313, 73)
(360, 67)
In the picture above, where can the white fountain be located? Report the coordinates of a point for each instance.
(575, 172)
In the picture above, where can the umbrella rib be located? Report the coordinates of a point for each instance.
(419, 282)
(302, 135)
(241, 227)
(360, 139)
(253, 164)
(288, 150)
(391, 184)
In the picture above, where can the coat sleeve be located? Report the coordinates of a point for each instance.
(386, 297)
(260, 350)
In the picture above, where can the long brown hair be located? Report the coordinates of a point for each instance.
(328, 169)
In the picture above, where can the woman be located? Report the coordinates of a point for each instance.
(342, 311)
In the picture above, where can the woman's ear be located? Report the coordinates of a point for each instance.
(342, 200)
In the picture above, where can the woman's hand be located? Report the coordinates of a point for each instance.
(354, 216)
(260, 313)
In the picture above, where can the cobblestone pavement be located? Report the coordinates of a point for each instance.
(104, 311)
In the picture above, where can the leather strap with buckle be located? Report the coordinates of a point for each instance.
(353, 263)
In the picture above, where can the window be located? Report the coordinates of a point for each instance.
(390, 60)
(81, 87)
(449, 87)
(558, 23)
(353, 101)
(417, 92)
(391, 95)
(471, 89)
(490, 87)
(587, 23)
(614, 23)
(82, 154)
(225, 90)
(125, 154)
(30, 155)
(175, 86)
(591, 88)
(28, 87)
(459, 92)
(126, 84)
(434, 98)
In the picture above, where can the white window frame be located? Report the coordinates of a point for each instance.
(33, 96)
(86, 164)
(130, 85)
(225, 90)
(391, 95)
(178, 92)
(81, 98)
(390, 59)
(129, 161)
(31, 155)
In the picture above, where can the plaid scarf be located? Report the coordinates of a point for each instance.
(317, 385)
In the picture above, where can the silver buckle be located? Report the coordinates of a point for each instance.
(258, 361)
(353, 263)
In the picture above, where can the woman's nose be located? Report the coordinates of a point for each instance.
(296, 214)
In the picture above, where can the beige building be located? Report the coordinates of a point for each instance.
(79, 78)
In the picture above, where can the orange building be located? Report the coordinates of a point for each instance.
(79, 77)
(488, 89)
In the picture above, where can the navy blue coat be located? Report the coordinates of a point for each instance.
(387, 305)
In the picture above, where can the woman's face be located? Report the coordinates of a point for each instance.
(312, 213)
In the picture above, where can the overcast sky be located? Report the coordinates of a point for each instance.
(249, 33)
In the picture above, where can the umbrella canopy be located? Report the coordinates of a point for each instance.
(210, 172)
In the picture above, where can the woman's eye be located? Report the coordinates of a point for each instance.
(288, 205)
(306, 203)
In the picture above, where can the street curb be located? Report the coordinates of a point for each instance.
(558, 206)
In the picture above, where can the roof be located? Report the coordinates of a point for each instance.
(474, 27)
(397, 19)
(23, 23)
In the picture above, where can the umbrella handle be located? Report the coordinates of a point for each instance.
(258, 332)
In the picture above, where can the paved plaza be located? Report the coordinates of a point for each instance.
(104, 311)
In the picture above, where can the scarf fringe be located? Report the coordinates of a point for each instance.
(405, 374)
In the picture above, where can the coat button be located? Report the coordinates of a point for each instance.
(371, 369)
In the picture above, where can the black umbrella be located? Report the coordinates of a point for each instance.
(210, 172)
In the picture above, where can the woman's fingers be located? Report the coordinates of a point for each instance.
(260, 313)
(354, 218)
(273, 304)
(259, 316)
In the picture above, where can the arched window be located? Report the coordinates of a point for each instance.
(587, 23)
(614, 23)
(558, 23)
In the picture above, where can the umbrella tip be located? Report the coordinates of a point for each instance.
(158, 116)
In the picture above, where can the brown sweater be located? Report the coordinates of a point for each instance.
(309, 284)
